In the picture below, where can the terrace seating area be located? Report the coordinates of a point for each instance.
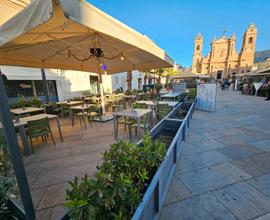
(66, 139)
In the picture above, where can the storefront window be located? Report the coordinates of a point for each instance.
(15, 88)
(51, 88)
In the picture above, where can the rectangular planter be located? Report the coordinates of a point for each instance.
(156, 192)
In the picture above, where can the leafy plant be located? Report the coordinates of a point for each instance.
(192, 93)
(128, 92)
(22, 102)
(36, 102)
(120, 181)
(6, 184)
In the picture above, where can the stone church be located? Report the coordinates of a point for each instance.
(223, 60)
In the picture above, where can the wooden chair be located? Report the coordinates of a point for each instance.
(39, 128)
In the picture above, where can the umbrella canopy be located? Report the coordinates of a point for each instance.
(185, 74)
(74, 35)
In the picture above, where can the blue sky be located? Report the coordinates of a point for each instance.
(173, 24)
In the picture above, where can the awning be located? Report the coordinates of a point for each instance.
(59, 34)
(186, 74)
(20, 73)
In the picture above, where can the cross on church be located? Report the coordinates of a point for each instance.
(224, 33)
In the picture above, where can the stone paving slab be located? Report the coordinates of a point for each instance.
(203, 207)
(201, 146)
(234, 152)
(261, 183)
(264, 217)
(255, 166)
(200, 160)
(177, 192)
(243, 201)
(231, 140)
(211, 178)
(262, 144)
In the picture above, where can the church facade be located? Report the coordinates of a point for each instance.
(223, 60)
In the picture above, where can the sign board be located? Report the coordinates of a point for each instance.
(179, 87)
(206, 96)
(257, 86)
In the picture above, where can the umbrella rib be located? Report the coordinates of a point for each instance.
(67, 43)
(59, 51)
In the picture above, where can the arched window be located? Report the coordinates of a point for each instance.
(250, 40)
(198, 47)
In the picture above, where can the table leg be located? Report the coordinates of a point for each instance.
(139, 128)
(59, 129)
(72, 117)
(26, 145)
(115, 127)
(84, 119)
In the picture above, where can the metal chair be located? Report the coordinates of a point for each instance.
(94, 111)
(64, 109)
(39, 128)
(162, 110)
(146, 124)
(140, 105)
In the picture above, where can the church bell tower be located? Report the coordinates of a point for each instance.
(197, 54)
(248, 47)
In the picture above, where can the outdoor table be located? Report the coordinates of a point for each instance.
(26, 110)
(172, 96)
(130, 113)
(23, 122)
(80, 108)
(153, 104)
(163, 92)
(70, 103)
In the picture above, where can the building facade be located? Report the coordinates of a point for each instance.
(223, 60)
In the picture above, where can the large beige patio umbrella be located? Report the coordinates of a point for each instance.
(74, 35)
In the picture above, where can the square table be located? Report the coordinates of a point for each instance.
(80, 108)
(130, 113)
(70, 103)
(26, 110)
(172, 96)
(23, 122)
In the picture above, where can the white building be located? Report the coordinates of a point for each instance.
(65, 84)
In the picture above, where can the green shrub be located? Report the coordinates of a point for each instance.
(21, 102)
(128, 92)
(36, 102)
(192, 93)
(120, 182)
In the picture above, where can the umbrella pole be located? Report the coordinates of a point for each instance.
(101, 91)
(45, 85)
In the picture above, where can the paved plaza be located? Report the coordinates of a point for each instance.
(224, 169)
